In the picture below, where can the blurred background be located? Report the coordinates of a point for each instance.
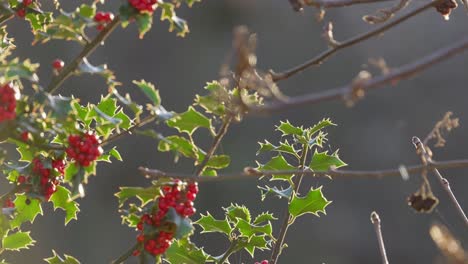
(374, 134)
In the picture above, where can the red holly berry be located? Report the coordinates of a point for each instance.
(7, 203)
(136, 252)
(21, 179)
(58, 64)
(7, 102)
(27, 2)
(84, 149)
(21, 12)
(24, 136)
(144, 5)
(103, 18)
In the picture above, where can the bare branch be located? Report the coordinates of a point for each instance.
(375, 219)
(385, 14)
(404, 72)
(251, 173)
(317, 60)
(339, 3)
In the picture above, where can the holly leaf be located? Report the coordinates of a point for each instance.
(145, 195)
(150, 91)
(281, 193)
(313, 203)
(144, 22)
(62, 199)
(255, 242)
(218, 161)
(56, 259)
(26, 210)
(287, 129)
(17, 241)
(319, 126)
(183, 224)
(235, 212)
(189, 121)
(179, 145)
(210, 224)
(182, 251)
(249, 230)
(321, 161)
(116, 154)
(264, 217)
(278, 163)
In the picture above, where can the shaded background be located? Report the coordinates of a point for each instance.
(374, 134)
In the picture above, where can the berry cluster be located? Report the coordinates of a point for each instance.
(84, 149)
(7, 102)
(21, 12)
(446, 7)
(179, 196)
(7, 203)
(144, 5)
(262, 262)
(102, 18)
(48, 178)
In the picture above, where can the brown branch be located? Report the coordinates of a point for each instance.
(66, 72)
(339, 3)
(426, 159)
(317, 60)
(214, 146)
(375, 219)
(250, 173)
(404, 72)
(5, 18)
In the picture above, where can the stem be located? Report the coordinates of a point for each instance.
(229, 251)
(347, 43)
(219, 136)
(117, 136)
(339, 3)
(66, 72)
(375, 219)
(287, 219)
(5, 18)
(378, 174)
(126, 255)
(446, 185)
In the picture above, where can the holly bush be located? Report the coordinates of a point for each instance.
(52, 144)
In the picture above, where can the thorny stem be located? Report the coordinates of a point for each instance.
(375, 219)
(214, 146)
(66, 72)
(317, 60)
(341, 93)
(427, 159)
(125, 255)
(378, 174)
(276, 252)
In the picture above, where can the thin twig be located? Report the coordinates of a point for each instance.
(229, 251)
(317, 60)
(66, 72)
(5, 18)
(214, 146)
(375, 219)
(278, 247)
(125, 255)
(143, 122)
(339, 3)
(404, 72)
(426, 159)
(249, 174)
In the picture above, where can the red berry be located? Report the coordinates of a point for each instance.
(7, 102)
(84, 149)
(21, 12)
(136, 252)
(24, 136)
(140, 226)
(58, 64)
(21, 179)
(27, 2)
(140, 238)
(144, 5)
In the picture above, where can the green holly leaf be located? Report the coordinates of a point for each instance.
(287, 129)
(87, 11)
(265, 147)
(249, 230)
(313, 203)
(210, 224)
(150, 91)
(16, 69)
(144, 22)
(219, 161)
(278, 163)
(107, 105)
(70, 171)
(116, 154)
(190, 121)
(179, 145)
(61, 106)
(62, 199)
(255, 242)
(284, 147)
(182, 251)
(281, 193)
(264, 217)
(235, 212)
(145, 195)
(17, 241)
(321, 161)
(26, 210)
(4, 224)
(56, 259)
(319, 126)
